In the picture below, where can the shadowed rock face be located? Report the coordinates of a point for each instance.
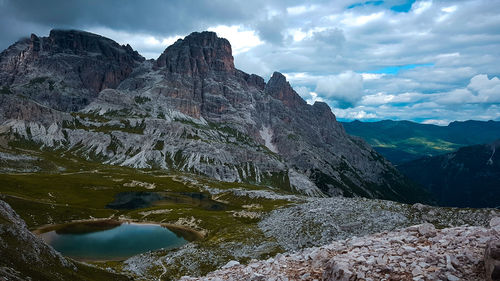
(27, 254)
(468, 177)
(191, 110)
(197, 54)
(67, 69)
(280, 89)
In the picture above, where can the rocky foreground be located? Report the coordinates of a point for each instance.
(419, 252)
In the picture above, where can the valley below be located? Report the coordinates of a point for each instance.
(195, 166)
(221, 221)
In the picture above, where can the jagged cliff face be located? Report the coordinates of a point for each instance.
(67, 69)
(190, 110)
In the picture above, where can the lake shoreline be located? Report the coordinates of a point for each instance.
(50, 227)
(89, 226)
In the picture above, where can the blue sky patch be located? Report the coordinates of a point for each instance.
(396, 69)
(374, 3)
(403, 8)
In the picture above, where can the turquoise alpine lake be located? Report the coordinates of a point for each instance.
(110, 240)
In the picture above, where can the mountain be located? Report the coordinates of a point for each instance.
(469, 177)
(403, 141)
(27, 257)
(65, 70)
(190, 110)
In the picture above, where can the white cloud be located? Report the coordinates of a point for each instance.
(383, 98)
(151, 47)
(241, 40)
(353, 113)
(299, 10)
(479, 90)
(317, 45)
(421, 6)
(358, 20)
(310, 97)
(487, 90)
(377, 99)
(346, 86)
(252, 64)
(372, 76)
(297, 34)
(439, 122)
(449, 9)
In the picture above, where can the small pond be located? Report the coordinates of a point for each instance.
(110, 240)
(130, 200)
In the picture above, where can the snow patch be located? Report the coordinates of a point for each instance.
(267, 135)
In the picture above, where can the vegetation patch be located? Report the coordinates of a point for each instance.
(141, 100)
(38, 80)
(5, 90)
(84, 189)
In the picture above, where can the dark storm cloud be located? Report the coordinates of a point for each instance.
(271, 30)
(163, 18)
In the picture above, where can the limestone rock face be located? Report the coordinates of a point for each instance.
(24, 253)
(492, 260)
(67, 69)
(280, 89)
(189, 110)
(198, 53)
(492, 253)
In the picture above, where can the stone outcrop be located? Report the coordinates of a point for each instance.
(280, 89)
(492, 253)
(339, 218)
(492, 261)
(419, 252)
(67, 69)
(23, 254)
(198, 54)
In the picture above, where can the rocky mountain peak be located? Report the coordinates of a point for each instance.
(67, 69)
(198, 53)
(34, 43)
(324, 111)
(82, 42)
(279, 88)
(190, 110)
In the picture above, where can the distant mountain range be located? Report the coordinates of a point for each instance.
(403, 141)
(469, 177)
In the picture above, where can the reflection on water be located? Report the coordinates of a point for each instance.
(110, 240)
(134, 200)
(140, 199)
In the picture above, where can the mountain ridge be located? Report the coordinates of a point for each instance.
(403, 141)
(468, 177)
(189, 110)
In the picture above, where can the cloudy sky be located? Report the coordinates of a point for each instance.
(427, 61)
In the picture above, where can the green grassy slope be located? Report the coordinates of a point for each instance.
(69, 188)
